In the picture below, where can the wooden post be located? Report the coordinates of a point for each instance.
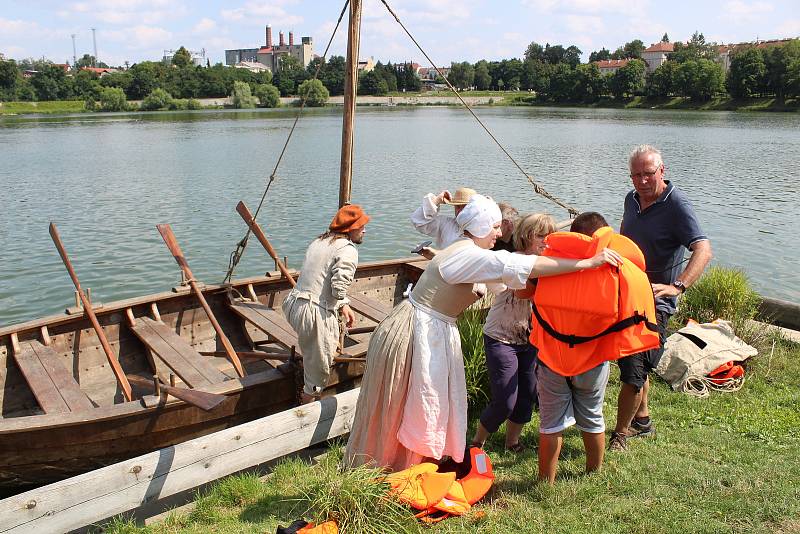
(87, 309)
(177, 253)
(350, 88)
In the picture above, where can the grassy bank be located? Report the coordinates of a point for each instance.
(728, 463)
(55, 106)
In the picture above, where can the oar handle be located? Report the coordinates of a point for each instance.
(177, 253)
(175, 249)
(87, 307)
(242, 210)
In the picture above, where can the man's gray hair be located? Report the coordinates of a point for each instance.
(643, 150)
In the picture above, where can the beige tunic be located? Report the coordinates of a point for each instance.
(312, 306)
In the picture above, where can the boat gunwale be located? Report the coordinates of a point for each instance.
(272, 277)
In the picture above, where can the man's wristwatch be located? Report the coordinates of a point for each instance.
(680, 285)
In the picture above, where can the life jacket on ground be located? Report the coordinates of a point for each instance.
(303, 527)
(440, 491)
(585, 318)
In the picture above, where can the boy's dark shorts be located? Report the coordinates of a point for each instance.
(634, 369)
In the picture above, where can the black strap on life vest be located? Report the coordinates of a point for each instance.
(572, 339)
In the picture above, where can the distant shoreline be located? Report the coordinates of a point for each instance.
(472, 98)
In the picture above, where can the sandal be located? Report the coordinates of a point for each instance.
(516, 448)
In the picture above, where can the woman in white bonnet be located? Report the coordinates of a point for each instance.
(413, 400)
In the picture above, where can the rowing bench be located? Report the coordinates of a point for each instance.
(54, 387)
(194, 369)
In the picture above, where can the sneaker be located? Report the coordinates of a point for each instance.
(640, 430)
(618, 442)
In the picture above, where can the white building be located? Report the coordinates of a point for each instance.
(656, 55)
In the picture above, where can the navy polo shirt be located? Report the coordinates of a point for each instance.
(662, 231)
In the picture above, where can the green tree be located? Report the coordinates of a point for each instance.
(144, 78)
(9, 79)
(536, 76)
(562, 83)
(699, 79)
(158, 99)
(117, 79)
(372, 83)
(696, 48)
(314, 92)
(182, 58)
(241, 96)
(634, 49)
(268, 95)
(389, 74)
(407, 79)
(290, 74)
(778, 60)
(462, 75)
(572, 56)
(88, 60)
(747, 74)
(535, 51)
(601, 55)
(662, 81)
(51, 83)
(589, 85)
(482, 78)
(331, 73)
(113, 99)
(628, 80)
(87, 85)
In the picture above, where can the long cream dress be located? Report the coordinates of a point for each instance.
(413, 400)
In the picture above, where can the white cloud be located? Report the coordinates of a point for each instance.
(141, 37)
(17, 27)
(741, 12)
(582, 24)
(582, 6)
(790, 28)
(204, 25)
(259, 14)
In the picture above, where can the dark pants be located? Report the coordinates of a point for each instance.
(512, 377)
(633, 370)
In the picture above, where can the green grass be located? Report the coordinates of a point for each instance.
(56, 106)
(726, 464)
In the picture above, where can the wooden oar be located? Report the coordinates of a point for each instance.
(87, 308)
(177, 253)
(202, 399)
(242, 210)
(248, 355)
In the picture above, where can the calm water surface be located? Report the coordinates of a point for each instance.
(107, 180)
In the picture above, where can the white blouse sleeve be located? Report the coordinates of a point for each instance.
(476, 265)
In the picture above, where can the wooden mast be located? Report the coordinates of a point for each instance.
(350, 89)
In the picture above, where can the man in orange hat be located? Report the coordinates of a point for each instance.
(320, 296)
(443, 229)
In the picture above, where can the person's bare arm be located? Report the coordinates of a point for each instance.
(550, 266)
(701, 256)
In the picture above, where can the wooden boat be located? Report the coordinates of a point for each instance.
(64, 412)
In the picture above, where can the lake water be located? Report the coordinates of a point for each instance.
(107, 180)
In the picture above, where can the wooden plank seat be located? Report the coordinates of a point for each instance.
(52, 384)
(194, 369)
(369, 307)
(268, 320)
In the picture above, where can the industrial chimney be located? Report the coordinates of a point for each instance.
(291, 39)
(280, 37)
(269, 36)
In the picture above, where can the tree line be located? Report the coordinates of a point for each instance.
(552, 73)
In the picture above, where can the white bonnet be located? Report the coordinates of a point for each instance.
(479, 216)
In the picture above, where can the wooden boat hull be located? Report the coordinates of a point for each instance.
(38, 448)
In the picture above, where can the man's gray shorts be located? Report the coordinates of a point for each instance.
(577, 400)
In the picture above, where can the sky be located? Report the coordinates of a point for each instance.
(450, 30)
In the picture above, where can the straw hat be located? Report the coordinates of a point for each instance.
(461, 196)
(349, 217)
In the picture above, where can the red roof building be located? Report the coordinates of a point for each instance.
(610, 66)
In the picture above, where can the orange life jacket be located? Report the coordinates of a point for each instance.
(439, 494)
(583, 319)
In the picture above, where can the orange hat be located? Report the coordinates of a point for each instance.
(350, 217)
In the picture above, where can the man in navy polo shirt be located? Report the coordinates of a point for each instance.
(660, 219)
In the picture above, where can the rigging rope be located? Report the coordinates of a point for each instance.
(236, 255)
(536, 186)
